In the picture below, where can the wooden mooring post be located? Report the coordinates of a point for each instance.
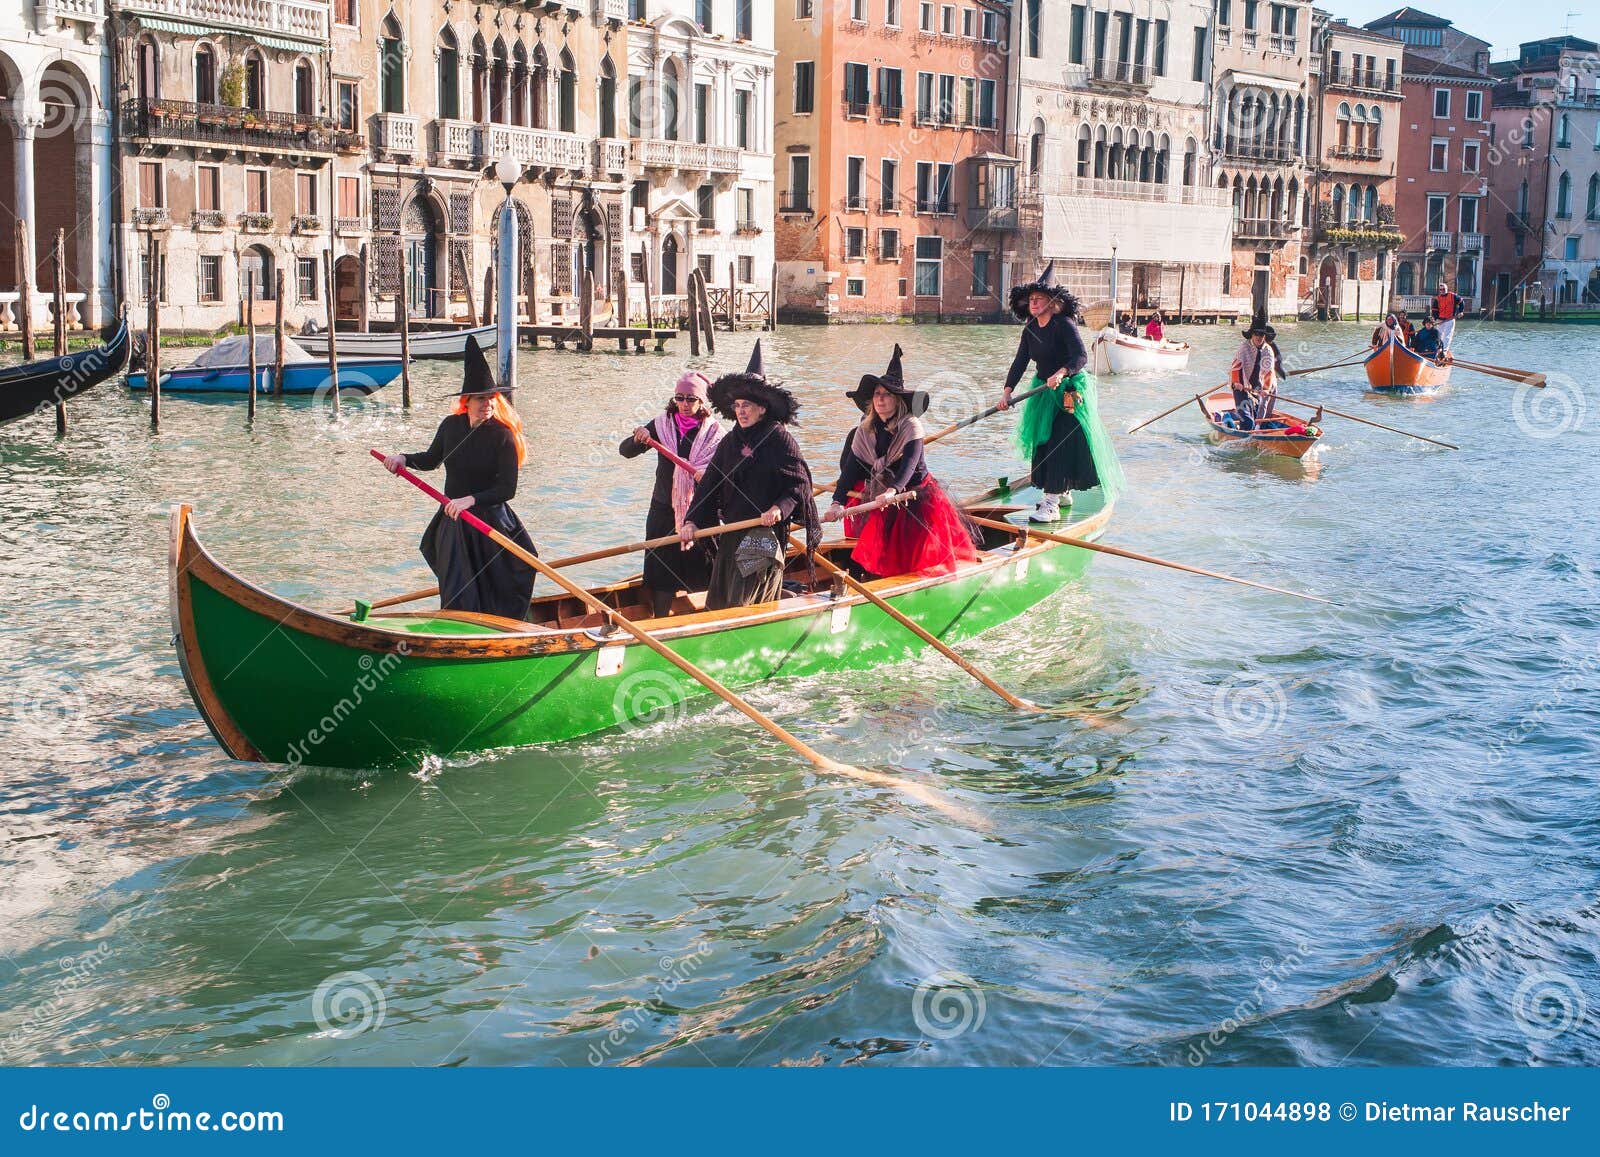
(250, 336)
(152, 360)
(277, 334)
(25, 290)
(58, 271)
(694, 316)
(333, 340)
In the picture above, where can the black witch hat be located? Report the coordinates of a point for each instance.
(752, 386)
(1259, 324)
(1045, 283)
(477, 377)
(893, 380)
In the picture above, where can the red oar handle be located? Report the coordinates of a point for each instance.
(670, 456)
(467, 516)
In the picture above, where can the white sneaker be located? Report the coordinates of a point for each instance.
(1048, 510)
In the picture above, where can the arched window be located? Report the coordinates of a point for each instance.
(1191, 159)
(392, 66)
(1371, 208)
(1593, 211)
(205, 74)
(1085, 150)
(540, 83)
(255, 81)
(608, 97)
(148, 61)
(305, 91)
(1374, 126)
(1100, 150)
(1343, 119)
(568, 96)
(519, 85)
(499, 81)
(1163, 154)
(1564, 196)
(1564, 131)
(448, 82)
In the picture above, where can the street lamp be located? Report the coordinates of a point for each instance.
(508, 173)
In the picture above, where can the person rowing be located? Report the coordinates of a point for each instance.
(757, 471)
(1427, 341)
(481, 447)
(1059, 431)
(688, 429)
(1253, 375)
(882, 456)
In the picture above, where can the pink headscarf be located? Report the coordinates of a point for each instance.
(705, 443)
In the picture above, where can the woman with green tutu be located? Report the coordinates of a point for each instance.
(1059, 431)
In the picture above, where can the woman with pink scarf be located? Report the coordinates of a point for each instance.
(689, 431)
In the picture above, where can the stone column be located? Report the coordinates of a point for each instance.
(94, 163)
(25, 125)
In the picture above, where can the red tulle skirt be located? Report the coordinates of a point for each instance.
(926, 536)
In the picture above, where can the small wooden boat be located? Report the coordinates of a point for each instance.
(1392, 368)
(1279, 434)
(282, 683)
(32, 385)
(225, 369)
(447, 343)
(1117, 353)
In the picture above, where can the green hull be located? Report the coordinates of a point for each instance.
(287, 685)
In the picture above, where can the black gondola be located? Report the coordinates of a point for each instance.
(38, 385)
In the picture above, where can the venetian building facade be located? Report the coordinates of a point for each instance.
(56, 93)
(1261, 133)
(1350, 247)
(898, 198)
(698, 114)
(226, 149)
(446, 91)
(1109, 120)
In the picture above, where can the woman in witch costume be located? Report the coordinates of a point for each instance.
(1059, 431)
(688, 430)
(480, 446)
(882, 456)
(756, 472)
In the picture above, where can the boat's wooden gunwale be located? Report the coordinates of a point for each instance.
(1394, 368)
(1267, 441)
(192, 561)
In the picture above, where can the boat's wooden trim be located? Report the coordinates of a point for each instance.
(1268, 441)
(195, 561)
(1396, 367)
(184, 551)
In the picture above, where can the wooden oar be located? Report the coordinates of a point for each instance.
(1035, 532)
(937, 644)
(1176, 408)
(814, 757)
(670, 456)
(1366, 422)
(1355, 361)
(1526, 377)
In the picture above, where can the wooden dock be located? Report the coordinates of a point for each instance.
(560, 336)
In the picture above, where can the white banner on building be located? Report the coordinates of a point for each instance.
(1087, 227)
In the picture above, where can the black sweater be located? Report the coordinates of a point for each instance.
(1052, 347)
(905, 472)
(662, 494)
(739, 485)
(478, 460)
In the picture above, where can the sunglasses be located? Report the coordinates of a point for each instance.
(685, 398)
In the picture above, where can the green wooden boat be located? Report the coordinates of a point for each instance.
(283, 683)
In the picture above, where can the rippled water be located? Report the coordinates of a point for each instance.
(1359, 834)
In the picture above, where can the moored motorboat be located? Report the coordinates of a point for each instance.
(36, 384)
(1392, 368)
(1279, 434)
(225, 369)
(1117, 353)
(283, 683)
(446, 343)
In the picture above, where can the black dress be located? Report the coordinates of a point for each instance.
(474, 573)
(754, 469)
(671, 569)
(1063, 461)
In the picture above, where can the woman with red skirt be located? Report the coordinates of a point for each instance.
(884, 456)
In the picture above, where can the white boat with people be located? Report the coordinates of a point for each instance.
(1120, 353)
(438, 343)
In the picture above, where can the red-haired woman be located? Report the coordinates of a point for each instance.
(480, 446)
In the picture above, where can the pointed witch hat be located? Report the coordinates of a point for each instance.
(752, 385)
(893, 380)
(1045, 283)
(477, 378)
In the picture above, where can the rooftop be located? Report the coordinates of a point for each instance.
(1415, 17)
(1417, 66)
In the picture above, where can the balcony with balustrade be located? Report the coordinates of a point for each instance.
(1358, 155)
(228, 128)
(1470, 242)
(1440, 240)
(1259, 152)
(51, 13)
(395, 133)
(684, 156)
(300, 19)
(1360, 80)
(1123, 75)
(1264, 229)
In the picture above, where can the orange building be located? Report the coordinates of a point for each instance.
(895, 199)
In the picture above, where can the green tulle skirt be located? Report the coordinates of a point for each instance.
(1037, 428)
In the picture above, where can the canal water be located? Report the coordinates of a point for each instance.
(1363, 833)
